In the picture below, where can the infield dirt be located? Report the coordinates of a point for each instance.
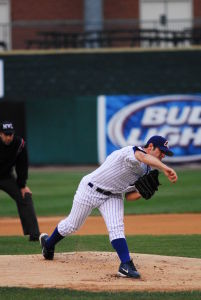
(134, 224)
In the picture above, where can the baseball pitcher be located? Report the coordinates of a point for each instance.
(131, 172)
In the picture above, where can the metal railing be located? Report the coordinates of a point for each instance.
(113, 38)
(119, 33)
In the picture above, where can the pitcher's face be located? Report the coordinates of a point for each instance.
(158, 153)
(155, 151)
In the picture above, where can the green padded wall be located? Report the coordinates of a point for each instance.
(62, 131)
(60, 90)
(59, 75)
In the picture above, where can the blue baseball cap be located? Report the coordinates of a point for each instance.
(161, 143)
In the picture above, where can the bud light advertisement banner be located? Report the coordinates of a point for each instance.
(132, 120)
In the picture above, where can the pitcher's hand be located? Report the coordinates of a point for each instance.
(171, 174)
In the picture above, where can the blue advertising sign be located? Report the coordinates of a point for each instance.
(132, 120)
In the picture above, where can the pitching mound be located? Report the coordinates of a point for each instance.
(96, 271)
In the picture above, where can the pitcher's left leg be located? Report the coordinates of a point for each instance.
(112, 211)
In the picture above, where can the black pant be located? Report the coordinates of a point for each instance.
(24, 205)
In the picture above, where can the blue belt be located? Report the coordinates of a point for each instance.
(107, 193)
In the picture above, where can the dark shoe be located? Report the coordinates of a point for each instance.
(47, 252)
(34, 237)
(128, 269)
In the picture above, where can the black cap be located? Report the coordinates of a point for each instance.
(7, 127)
(161, 143)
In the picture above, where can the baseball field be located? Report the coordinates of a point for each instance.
(163, 234)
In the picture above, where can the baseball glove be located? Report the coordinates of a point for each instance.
(148, 184)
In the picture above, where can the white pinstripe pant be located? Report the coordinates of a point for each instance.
(85, 200)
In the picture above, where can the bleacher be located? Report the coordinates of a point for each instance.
(113, 38)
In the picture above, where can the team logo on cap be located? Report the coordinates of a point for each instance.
(166, 144)
(8, 126)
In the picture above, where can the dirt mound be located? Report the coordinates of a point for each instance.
(96, 271)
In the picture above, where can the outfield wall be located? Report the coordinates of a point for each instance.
(58, 92)
(62, 131)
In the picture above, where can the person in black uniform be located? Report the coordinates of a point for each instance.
(13, 155)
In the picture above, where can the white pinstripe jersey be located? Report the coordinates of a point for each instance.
(119, 171)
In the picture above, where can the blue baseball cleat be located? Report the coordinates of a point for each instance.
(128, 269)
(47, 253)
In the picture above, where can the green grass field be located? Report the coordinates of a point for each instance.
(53, 194)
(56, 294)
(171, 245)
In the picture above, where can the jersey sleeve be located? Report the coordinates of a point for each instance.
(131, 160)
(148, 168)
(138, 149)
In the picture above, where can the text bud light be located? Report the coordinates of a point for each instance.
(132, 120)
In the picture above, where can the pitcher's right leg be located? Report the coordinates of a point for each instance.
(73, 222)
(76, 218)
